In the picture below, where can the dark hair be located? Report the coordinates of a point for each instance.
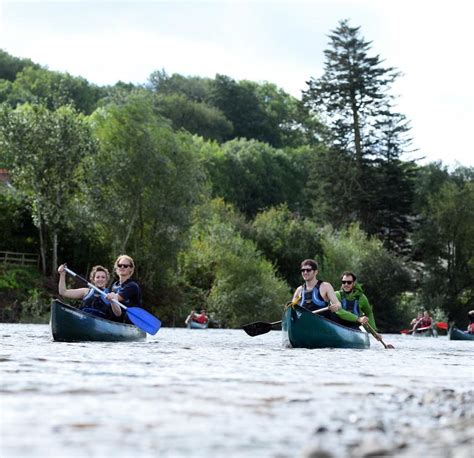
(310, 262)
(347, 273)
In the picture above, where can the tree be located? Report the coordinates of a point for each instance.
(193, 88)
(16, 225)
(43, 150)
(143, 185)
(382, 274)
(445, 239)
(196, 117)
(252, 175)
(242, 105)
(53, 89)
(227, 273)
(10, 66)
(366, 134)
(286, 239)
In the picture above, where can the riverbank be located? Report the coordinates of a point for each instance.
(436, 423)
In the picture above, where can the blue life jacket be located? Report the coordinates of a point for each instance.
(351, 305)
(312, 300)
(96, 304)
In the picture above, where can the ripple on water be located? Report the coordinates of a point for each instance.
(236, 396)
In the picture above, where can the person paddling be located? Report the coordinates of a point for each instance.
(424, 323)
(92, 302)
(200, 317)
(125, 290)
(356, 309)
(315, 294)
(415, 320)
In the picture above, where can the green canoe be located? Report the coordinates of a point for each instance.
(69, 324)
(303, 329)
(457, 334)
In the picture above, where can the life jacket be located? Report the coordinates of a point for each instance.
(312, 300)
(200, 319)
(425, 322)
(119, 288)
(351, 305)
(470, 328)
(96, 303)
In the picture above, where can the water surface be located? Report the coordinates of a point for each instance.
(221, 393)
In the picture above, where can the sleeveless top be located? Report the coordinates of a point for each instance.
(312, 300)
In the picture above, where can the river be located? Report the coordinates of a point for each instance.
(221, 393)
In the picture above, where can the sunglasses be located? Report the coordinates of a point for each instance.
(306, 270)
(347, 282)
(123, 266)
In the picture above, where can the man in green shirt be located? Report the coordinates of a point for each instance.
(356, 309)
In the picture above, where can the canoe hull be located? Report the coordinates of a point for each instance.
(69, 324)
(303, 329)
(432, 332)
(195, 325)
(457, 334)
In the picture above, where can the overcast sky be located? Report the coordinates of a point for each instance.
(262, 40)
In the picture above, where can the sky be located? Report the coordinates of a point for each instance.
(278, 41)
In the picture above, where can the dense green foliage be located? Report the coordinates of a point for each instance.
(43, 149)
(230, 277)
(220, 188)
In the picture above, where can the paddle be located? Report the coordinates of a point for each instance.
(260, 327)
(409, 331)
(138, 316)
(377, 335)
(439, 325)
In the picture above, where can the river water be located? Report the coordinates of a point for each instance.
(221, 393)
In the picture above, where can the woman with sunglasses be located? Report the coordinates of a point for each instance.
(314, 294)
(356, 309)
(125, 290)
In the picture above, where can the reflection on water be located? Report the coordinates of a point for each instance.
(212, 393)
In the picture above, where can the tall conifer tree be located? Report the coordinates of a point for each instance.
(367, 138)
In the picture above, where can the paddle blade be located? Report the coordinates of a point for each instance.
(405, 331)
(257, 328)
(144, 320)
(442, 325)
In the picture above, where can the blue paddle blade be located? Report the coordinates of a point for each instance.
(144, 320)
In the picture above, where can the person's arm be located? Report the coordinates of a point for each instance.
(327, 292)
(366, 309)
(116, 309)
(129, 295)
(78, 293)
(189, 317)
(297, 293)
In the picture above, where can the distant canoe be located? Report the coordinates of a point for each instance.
(428, 331)
(457, 334)
(303, 329)
(195, 325)
(70, 324)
